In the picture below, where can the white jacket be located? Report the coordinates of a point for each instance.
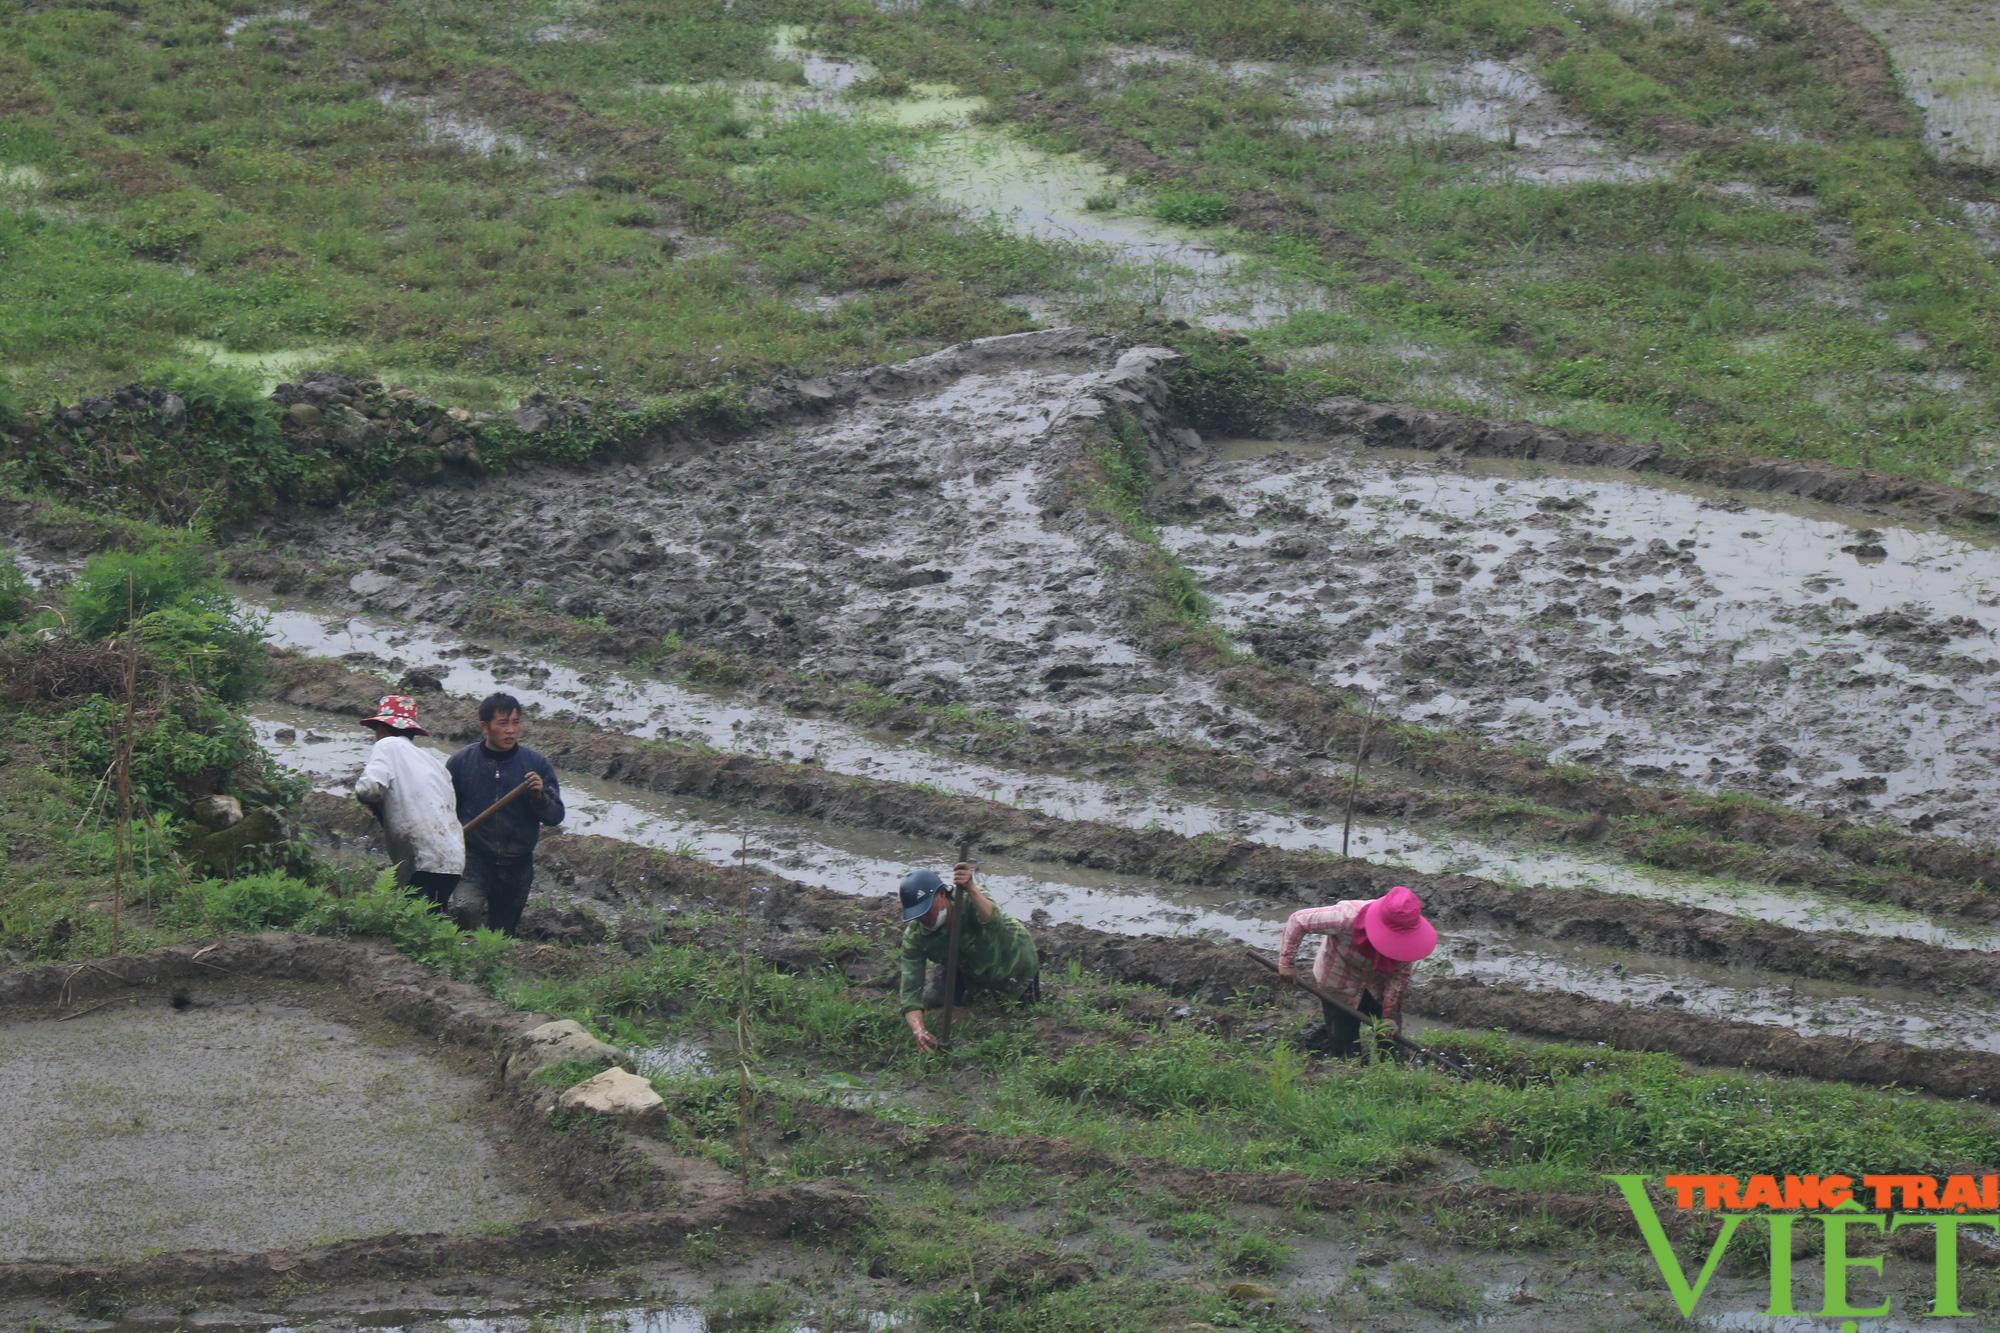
(412, 793)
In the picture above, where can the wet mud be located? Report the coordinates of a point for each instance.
(1232, 865)
(245, 1119)
(1193, 789)
(1679, 636)
(639, 1208)
(912, 539)
(1946, 58)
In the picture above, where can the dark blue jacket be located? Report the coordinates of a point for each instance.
(481, 777)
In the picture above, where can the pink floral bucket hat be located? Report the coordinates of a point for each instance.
(398, 712)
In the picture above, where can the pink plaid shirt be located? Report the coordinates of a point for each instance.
(1341, 969)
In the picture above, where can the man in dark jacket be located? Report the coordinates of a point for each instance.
(500, 854)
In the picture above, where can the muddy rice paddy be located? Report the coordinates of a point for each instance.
(226, 1118)
(1679, 635)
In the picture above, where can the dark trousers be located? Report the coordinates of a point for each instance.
(496, 891)
(433, 886)
(1344, 1032)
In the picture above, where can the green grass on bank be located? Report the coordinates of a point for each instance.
(326, 187)
(295, 186)
(1553, 1117)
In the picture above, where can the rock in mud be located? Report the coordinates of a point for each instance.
(217, 812)
(614, 1093)
(555, 1043)
(257, 840)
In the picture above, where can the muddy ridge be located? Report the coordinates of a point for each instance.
(1470, 1003)
(1388, 425)
(805, 1208)
(1569, 914)
(1333, 725)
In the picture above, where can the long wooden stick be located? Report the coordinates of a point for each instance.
(1354, 783)
(1438, 1058)
(952, 906)
(494, 808)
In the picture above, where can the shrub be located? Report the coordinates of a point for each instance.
(188, 622)
(254, 902)
(192, 746)
(162, 575)
(17, 595)
(1191, 208)
(12, 410)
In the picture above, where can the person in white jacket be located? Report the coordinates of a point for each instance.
(411, 793)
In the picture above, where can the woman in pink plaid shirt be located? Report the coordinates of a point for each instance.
(1371, 945)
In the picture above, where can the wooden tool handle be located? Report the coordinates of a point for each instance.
(494, 808)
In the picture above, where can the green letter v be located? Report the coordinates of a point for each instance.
(1686, 1298)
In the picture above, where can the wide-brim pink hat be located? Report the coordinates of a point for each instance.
(1396, 927)
(398, 712)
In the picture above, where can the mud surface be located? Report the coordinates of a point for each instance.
(246, 1120)
(912, 538)
(652, 707)
(1678, 635)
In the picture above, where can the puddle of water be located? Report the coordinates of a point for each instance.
(651, 708)
(823, 73)
(678, 1059)
(565, 32)
(1982, 218)
(270, 368)
(1947, 61)
(1418, 98)
(467, 132)
(1053, 197)
(1661, 629)
(242, 21)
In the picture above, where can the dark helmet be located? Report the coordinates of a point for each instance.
(918, 888)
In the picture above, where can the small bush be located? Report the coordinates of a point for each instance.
(255, 902)
(17, 595)
(162, 575)
(188, 622)
(192, 746)
(1191, 208)
(12, 410)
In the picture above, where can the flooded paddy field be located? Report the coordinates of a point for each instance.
(859, 862)
(232, 1118)
(1681, 636)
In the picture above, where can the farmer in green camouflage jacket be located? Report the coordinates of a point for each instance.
(996, 956)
